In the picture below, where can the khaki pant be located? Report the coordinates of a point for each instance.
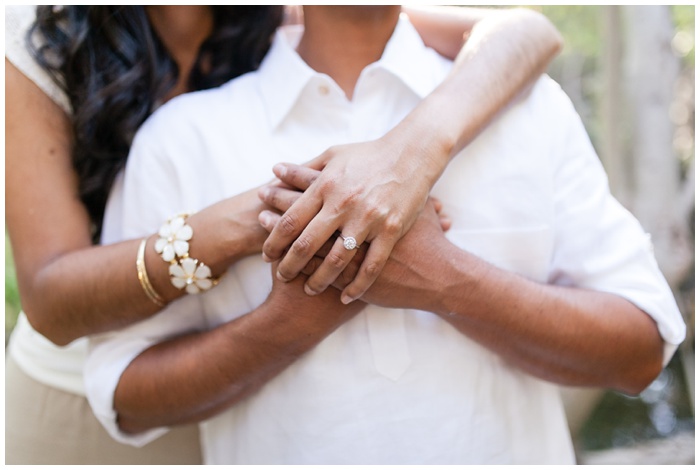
(44, 425)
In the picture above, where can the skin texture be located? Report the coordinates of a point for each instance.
(70, 288)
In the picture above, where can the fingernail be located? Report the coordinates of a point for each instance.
(264, 219)
(346, 299)
(264, 192)
(280, 170)
(282, 278)
(309, 290)
(266, 258)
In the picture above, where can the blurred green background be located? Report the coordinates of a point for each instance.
(618, 65)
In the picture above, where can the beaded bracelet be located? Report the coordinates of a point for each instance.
(173, 246)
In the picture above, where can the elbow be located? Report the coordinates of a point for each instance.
(44, 309)
(540, 26)
(44, 321)
(635, 385)
(641, 375)
(130, 426)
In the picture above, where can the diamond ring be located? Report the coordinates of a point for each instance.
(349, 243)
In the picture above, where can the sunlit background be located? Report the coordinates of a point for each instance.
(630, 71)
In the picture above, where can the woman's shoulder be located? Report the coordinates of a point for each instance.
(18, 21)
(18, 16)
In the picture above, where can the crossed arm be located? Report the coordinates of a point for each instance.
(565, 335)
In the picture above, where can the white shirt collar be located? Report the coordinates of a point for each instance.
(284, 75)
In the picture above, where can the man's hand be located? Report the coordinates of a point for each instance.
(290, 296)
(411, 270)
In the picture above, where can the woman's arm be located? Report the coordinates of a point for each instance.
(386, 182)
(506, 50)
(70, 288)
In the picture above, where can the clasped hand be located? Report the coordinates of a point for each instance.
(316, 208)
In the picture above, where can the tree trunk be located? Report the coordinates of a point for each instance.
(614, 131)
(651, 73)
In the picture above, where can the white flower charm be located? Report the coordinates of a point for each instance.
(174, 239)
(190, 276)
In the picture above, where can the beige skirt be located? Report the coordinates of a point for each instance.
(44, 425)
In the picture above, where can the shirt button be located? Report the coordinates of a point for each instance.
(324, 90)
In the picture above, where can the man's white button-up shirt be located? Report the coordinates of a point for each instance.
(529, 195)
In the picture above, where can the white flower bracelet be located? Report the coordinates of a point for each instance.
(174, 247)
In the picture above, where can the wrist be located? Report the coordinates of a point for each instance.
(222, 241)
(454, 285)
(428, 138)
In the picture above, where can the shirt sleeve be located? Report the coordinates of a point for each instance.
(151, 192)
(599, 244)
(18, 21)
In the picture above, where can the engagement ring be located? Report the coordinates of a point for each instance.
(349, 243)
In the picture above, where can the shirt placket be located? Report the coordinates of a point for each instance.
(386, 328)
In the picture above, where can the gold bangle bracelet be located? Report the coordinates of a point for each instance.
(143, 276)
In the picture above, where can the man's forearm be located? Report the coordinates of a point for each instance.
(565, 335)
(194, 377)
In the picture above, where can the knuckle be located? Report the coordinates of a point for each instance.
(371, 269)
(288, 224)
(346, 202)
(336, 261)
(325, 185)
(301, 247)
(375, 215)
(393, 226)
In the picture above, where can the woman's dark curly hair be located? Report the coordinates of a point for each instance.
(115, 71)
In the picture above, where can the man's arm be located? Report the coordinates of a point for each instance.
(599, 319)
(195, 376)
(566, 335)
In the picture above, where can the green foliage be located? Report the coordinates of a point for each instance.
(12, 303)
(579, 25)
(684, 41)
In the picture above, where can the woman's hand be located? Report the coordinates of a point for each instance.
(282, 196)
(374, 200)
(228, 230)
